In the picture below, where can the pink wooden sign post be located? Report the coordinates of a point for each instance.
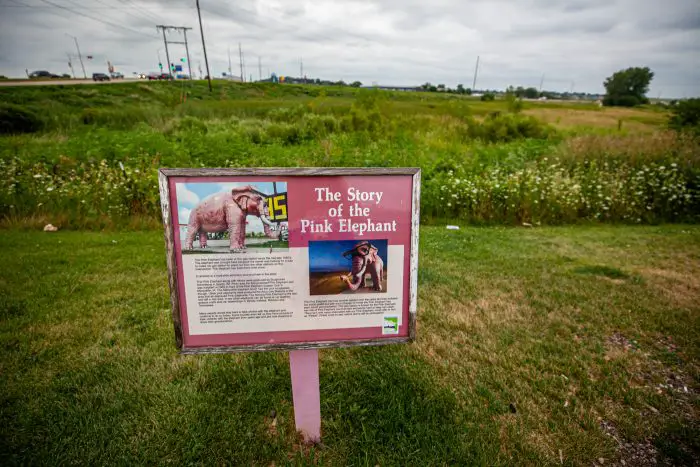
(306, 393)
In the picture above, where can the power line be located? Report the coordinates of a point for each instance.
(117, 8)
(140, 18)
(144, 12)
(108, 23)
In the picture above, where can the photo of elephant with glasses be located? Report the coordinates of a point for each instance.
(347, 267)
(365, 259)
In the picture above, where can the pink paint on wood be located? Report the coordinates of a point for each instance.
(306, 393)
(300, 189)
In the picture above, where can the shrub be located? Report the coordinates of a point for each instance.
(515, 105)
(285, 133)
(287, 114)
(319, 125)
(503, 128)
(256, 135)
(489, 96)
(686, 115)
(90, 116)
(365, 114)
(622, 101)
(191, 125)
(16, 119)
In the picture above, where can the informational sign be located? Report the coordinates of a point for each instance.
(267, 259)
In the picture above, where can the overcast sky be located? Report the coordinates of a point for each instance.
(573, 43)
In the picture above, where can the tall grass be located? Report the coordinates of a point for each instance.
(95, 164)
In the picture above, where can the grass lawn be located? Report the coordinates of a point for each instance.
(535, 346)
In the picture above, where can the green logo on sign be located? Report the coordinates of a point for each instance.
(391, 325)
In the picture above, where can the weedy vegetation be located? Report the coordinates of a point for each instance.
(84, 157)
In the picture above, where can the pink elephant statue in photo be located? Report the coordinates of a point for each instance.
(227, 211)
(365, 258)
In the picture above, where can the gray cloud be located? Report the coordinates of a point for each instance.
(573, 42)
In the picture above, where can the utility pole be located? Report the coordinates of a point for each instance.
(259, 69)
(301, 69)
(204, 48)
(541, 83)
(476, 71)
(70, 65)
(240, 62)
(166, 42)
(80, 56)
(167, 54)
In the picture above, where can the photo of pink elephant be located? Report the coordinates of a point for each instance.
(233, 217)
(347, 266)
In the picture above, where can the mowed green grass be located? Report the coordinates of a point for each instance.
(530, 343)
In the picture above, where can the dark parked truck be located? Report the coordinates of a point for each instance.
(100, 77)
(43, 74)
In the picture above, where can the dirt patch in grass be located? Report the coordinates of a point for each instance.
(495, 310)
(682, 288)
(662, 376)
(630, 454)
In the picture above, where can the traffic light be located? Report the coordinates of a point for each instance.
(160, 65)
(182, 60)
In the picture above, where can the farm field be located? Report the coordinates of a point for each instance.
(559, 325)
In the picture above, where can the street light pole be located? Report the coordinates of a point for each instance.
(79, 54)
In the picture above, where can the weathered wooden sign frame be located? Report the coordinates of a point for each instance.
(167, 196)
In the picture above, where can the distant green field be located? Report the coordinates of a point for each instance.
(535, 346)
